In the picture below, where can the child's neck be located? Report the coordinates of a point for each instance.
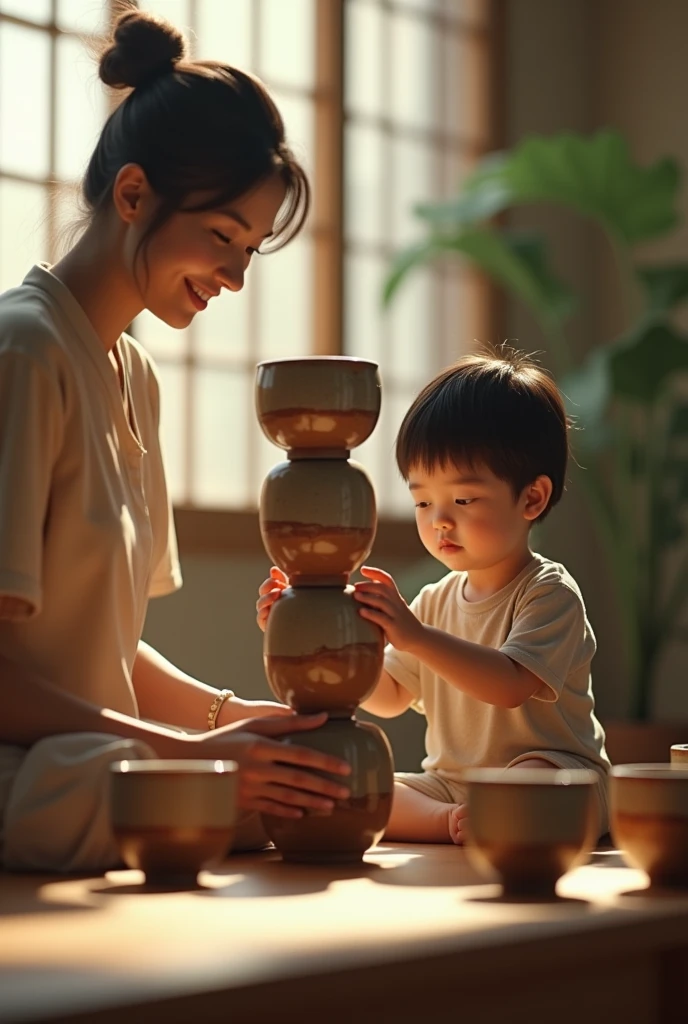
(483, 583)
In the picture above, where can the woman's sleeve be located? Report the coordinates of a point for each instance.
(31, 432)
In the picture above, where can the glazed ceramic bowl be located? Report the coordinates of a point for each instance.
(530, 825)
(326, 402)
(679, 754)
(319, 654)
(649, 819)
(318, 519)
(356, 823)
(170, 818)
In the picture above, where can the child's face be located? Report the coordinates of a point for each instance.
(206, 251)
(470, 519)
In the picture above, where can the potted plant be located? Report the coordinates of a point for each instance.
(626, 395)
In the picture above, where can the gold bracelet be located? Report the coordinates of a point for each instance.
(222, 696)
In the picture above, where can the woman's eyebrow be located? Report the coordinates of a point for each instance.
(227, 212)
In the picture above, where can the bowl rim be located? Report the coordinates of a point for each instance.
(544, 777)
(650, 771)
(317, 361)
(173, 766)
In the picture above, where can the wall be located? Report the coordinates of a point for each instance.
(584, 65)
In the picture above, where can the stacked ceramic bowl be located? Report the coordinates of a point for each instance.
(318, 520)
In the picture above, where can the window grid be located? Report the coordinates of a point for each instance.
(440, 142)
(329, 234)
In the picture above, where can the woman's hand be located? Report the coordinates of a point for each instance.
(269, 591)
(275, 778)
(383, 604)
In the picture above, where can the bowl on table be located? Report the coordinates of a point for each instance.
(171, 818)
(649, 819)
(530, 825)
(679, 753)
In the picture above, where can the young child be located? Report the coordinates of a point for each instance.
(497, 653)
(190, 175)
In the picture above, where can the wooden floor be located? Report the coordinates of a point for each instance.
(413, 934)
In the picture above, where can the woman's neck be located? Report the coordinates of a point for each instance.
(95, 274)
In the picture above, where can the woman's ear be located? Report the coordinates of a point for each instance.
(535, 497)
(131, 193)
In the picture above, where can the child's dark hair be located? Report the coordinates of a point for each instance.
(193, 126)
(502, 411)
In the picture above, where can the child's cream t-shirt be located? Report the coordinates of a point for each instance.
(86, 530)
(539, 621)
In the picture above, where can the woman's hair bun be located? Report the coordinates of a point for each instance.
(143, 48)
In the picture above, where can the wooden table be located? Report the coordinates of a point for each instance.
(413, 935)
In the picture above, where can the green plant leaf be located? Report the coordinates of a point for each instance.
(594, 175)
(519, 263)
(586, 392)
(666, 286)
(643, 362)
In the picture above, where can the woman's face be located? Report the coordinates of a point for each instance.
(195, 255)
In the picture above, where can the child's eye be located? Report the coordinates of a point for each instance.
(422, 504)
(223, 238)
(463, 501)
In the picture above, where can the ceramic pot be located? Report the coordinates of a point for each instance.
(327, 402)
(529, 825)
(318, 519)
(170, 818)
(679, 754)
(356, 823)
(319, 654)
(649, 819)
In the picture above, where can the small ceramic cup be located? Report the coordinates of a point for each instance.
(318, 403)
(649, 819)
(170, 818)
(679, 753)
(530, 825)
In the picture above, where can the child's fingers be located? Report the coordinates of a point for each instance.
(376, 574)
(277, 574)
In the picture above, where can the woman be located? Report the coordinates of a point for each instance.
(190, 178)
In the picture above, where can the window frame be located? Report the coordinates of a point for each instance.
(206, 532)
(221, 532)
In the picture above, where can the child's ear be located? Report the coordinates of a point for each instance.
(536, 497)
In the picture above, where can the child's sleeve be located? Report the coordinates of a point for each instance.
(31, 431)
(550, 636)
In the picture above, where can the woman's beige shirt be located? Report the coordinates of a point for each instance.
(86, 529)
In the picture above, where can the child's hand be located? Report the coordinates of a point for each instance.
(269, 591)
(383, 604)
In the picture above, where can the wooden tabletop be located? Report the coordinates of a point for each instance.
(390, 940)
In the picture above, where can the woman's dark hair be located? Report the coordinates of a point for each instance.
(193, 126)
(501, 411)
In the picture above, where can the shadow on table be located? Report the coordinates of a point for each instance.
(570, 902)
(22, 893)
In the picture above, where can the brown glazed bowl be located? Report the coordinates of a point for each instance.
(320, 402)
(530, 825)
(679, 754)
(355, 824)
(319, 654)
(171, 818)
(649, 819)
(318, 519)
